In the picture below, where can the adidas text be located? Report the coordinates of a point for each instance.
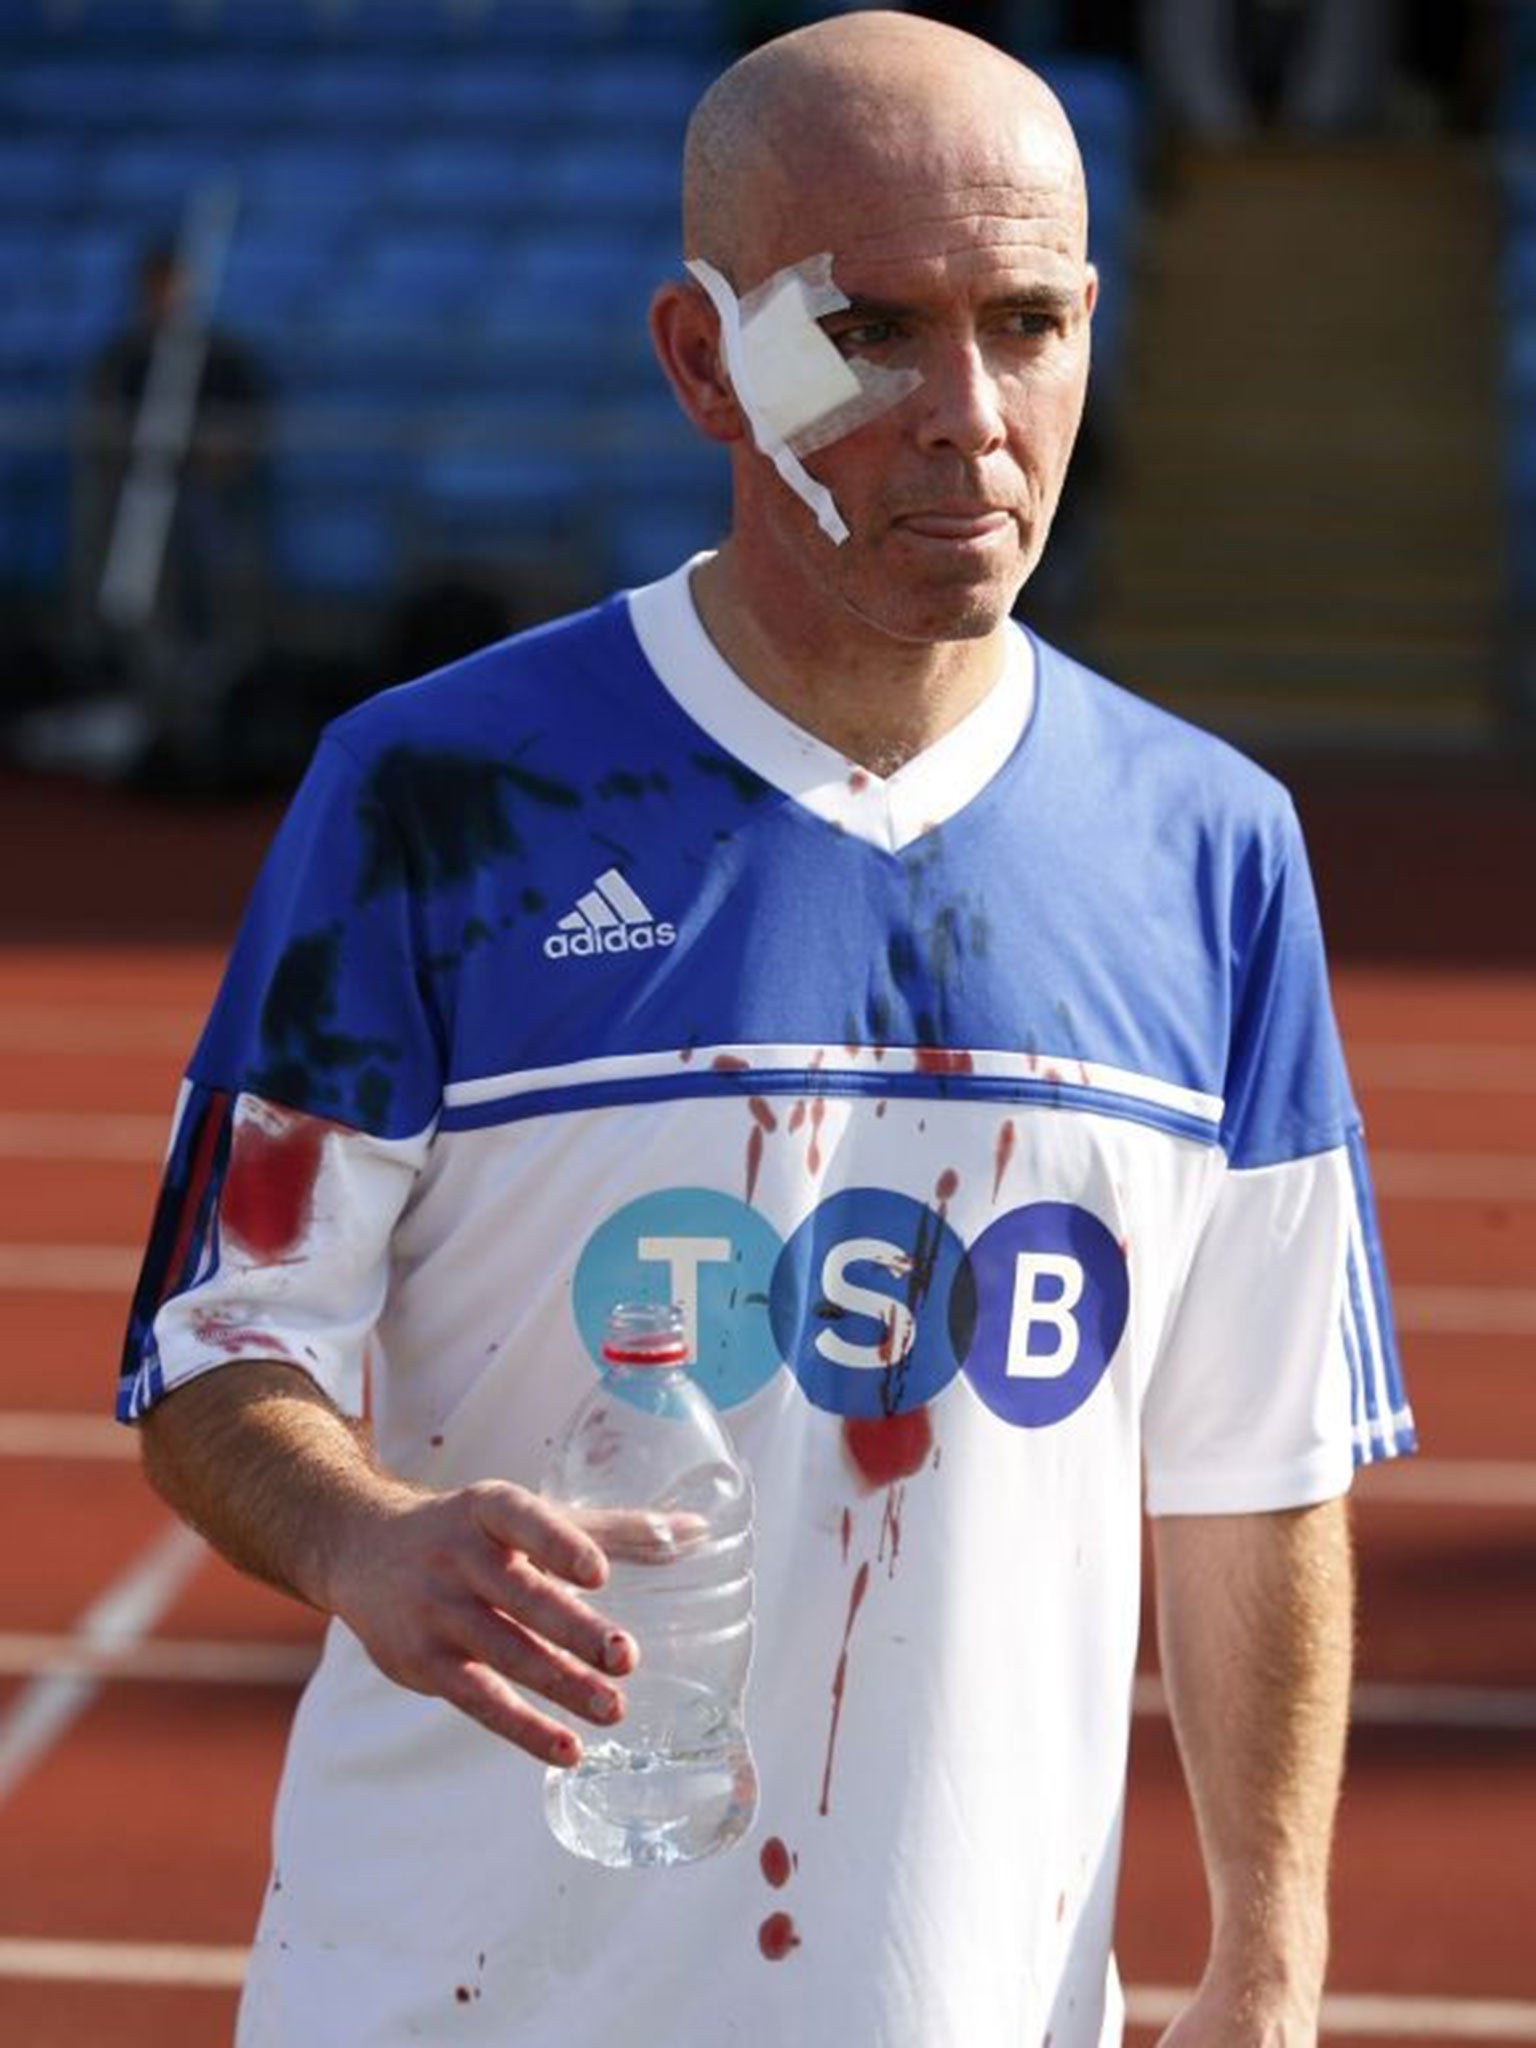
(619, 938)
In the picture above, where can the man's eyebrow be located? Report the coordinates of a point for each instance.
(1035, 298)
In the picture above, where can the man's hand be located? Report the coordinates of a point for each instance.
(1234, 2015)
(473, 1596)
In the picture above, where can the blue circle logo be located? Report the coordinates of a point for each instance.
(1052, 1295)
(870, 1303)
(706, 1250)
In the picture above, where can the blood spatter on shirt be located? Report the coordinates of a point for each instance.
(847, 1532)
(777, 1937)
(888, 1549)
(267, 1202)
(1002, 1154)
(882, 1449)
(432, 816)
(729, 1063)
(225, 1332)
(813, 1145)
(946, 1185)
(840, 1681)
(305, 1058)
(938, 1059)
(775, 1862)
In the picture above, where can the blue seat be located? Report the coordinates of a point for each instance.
(603, 180)
(309, 182)
(153, 179)
(335, 546)
(41, 174)
(376, 94)
(34, 520)
(457, 180)
(632, 92)
(513, 96)
(78, 92)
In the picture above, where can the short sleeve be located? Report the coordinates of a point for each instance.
(1279, 1371)
(303, 1121)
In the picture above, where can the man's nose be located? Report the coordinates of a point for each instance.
(963, 407)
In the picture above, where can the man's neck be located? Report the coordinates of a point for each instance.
(879, 701)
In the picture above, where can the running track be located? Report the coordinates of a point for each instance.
(145, 1689)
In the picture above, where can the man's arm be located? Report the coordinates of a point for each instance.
(469, 1594)
(1255, 1626)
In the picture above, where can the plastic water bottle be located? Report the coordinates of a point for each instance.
(674, 1780)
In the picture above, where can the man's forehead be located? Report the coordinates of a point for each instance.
(967, 239)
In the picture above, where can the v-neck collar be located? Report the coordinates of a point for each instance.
(888, 812)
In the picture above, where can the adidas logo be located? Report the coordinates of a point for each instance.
(610, 918)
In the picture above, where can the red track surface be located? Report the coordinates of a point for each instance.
(144, 1821)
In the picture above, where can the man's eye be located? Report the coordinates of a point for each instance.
(1033, 326)
(853, 341)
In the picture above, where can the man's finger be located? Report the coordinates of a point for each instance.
(636, 1536)
(519, 1520)
(486, 1697)
(516, 1587)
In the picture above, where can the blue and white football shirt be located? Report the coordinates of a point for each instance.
(991, 1124)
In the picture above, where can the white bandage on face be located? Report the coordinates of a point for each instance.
(797, 391)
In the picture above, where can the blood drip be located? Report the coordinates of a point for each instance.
(839, 1682)
(885, 1448)
(777, 1936)
(776, 1862)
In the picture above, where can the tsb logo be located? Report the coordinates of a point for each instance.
(873, 1302)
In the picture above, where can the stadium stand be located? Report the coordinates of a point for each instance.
(450, 214)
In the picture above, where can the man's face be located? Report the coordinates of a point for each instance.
(972, 273)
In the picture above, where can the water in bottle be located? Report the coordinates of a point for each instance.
(674, 1780)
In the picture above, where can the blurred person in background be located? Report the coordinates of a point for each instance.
(1222, 67)
(949, 1032)
(203, 625)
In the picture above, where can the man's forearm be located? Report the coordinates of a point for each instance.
(260, 1462)
(1255, 1623)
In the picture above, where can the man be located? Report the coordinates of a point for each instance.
(947, 1031)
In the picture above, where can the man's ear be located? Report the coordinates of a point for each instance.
(685, 332)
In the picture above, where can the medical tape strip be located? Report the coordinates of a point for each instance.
(798, 392)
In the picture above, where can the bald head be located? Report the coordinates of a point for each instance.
(895, 96)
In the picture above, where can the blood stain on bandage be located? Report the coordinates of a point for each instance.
(777, 1936)
(885, 1448)
(776, 1862)
(858, 782)
(840, 1681)
(269, 1190)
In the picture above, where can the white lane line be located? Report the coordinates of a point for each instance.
(200, 1965)
(141, 1139)
(1364, 2016)
(122, 1962)
(75, 1135)
(1376, 1703)
(43, 1711)
(163, 1661)
(1435, 1176)
(69, 1268)
(1445, 1069)
(1421, 1311)
(109, 1028)
(1434, 1482)
(69, 1661)
(1465, 1311)
(30, 1434)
